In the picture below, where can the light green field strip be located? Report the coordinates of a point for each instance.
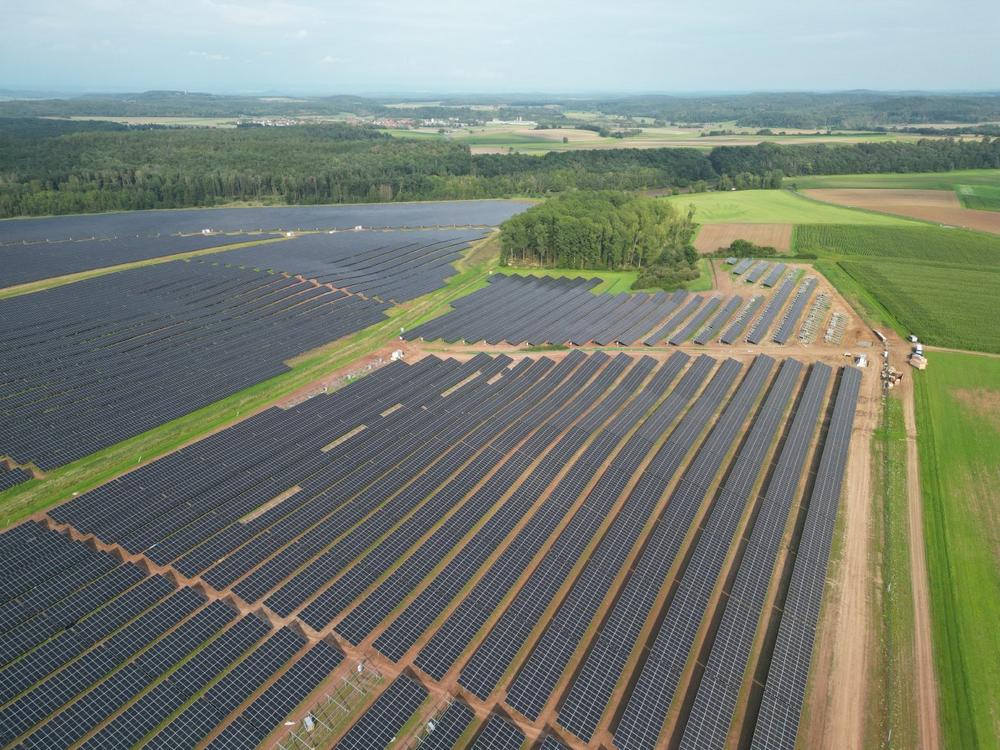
(910, 180)
(958, 436)
(775, 207)
(86, 473)
(613, 282)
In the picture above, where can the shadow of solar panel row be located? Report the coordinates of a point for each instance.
(396, 266)
(442, 486)
(758, 270)
(407, 627)
(42, 700)
(459, 629)
(795, 310)
(679, 317)
(602, 668)
(25, 262)
(710, 331)
(509, 467)
(542, 669)
(12, 477)
(717, 693)
(107, 697)
(253, 725)
(170, 695)
(449, 727)
(93, 363)
(774, 274)
(211, 709)
(743, 266)
(732, 334)
(367, 615)
(656, 685)
(774, 305)
(378, 726)
(484, 670)
(498, 733)
(695, 323)
(244, 465)
(543, 309)
(784, 689)
(277, 218)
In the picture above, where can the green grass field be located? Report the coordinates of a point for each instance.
(894, 710)
(909, 180)
(947, 306)
(980, 197)
(925, 243)
(958, 426)
(775, 207)
(613, 282)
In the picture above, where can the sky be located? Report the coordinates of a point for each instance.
(491, 46)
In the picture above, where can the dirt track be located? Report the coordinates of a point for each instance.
(939, 206)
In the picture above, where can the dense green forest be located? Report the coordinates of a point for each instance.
(53, 167)
(604, 230)
(838, 110)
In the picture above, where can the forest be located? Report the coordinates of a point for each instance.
(55, 167)
(603, 230)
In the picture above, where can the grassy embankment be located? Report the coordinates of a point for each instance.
(958, 437)
(79, 476)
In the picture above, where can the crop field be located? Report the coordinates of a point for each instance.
(936, 206)
(773, 207)
(415, 520)
(906, 181)
(980, 197)
(958, 434)
(922, 243)
(948, 306)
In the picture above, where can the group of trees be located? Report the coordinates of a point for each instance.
(604, 230)
(52, 167)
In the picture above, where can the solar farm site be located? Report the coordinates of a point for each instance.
(536, 517)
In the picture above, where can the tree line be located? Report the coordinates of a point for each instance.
(54, 167)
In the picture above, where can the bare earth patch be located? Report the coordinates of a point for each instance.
(940, 206)
(713, 236)
(981, 401)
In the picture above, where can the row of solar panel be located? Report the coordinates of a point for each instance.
(395, 266)
(13, 477)
(86, 640)
(89, 364)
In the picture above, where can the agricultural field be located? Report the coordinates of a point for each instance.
(922, 243)
(712, 237)
(958, 434)
(503, 138)
(773, 207)
(937, 206)
(948, 306)
(904, 181)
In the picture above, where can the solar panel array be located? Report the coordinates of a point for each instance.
(732, 334)
(378, 726)
(86, 640)
(795, 310)
(544, 309)
(12, 477)
(23, 262)
(89, 364)
(758, 270)
(743, 266)
(711, 330)
(784, 689)
(483, 213)
(774, 274)
(487, 520)
(396, 266)
(774, 306)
